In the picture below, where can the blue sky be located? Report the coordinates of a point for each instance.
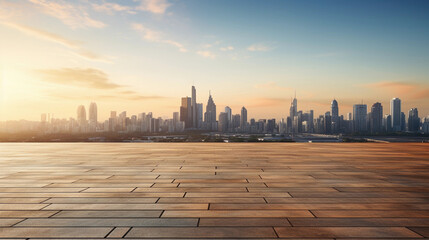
(143, 55)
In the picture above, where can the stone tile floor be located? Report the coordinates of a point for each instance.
(206, 191)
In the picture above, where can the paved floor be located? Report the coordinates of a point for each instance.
(262, 190)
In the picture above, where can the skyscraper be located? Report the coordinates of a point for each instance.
(81, 115)
(186, 112)
(334, 108)
(387, 123)
(413, 120)
(376, 118)
(293, 107)
(199, 115)
(395, 112)
(228, 112)
(223, 122)
(359, 118)
(210, 115)
(243, 120)
(335, 117)
(194, 108)
(93, 119)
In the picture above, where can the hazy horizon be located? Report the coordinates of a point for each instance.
(143, 56)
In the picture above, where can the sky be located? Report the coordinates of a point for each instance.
(144, 55)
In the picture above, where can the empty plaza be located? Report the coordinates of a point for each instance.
(214, 190)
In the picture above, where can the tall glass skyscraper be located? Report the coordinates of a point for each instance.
(359, 117)
(395, 112)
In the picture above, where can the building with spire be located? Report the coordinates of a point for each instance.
(210, 115)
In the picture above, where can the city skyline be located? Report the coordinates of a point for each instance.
(138, 55)
(191, 117)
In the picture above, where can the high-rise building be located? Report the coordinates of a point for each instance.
(186, 112)
(425, 125)
(194, 108)
(199, 115)
(335, 116)
(93, 119)
(243, 120)
(210, 115)
(81, 115)
(176, 120)
(293, 107)
(328, 123)
(235, 123)
(387, 123)
(228, 112)
(413, 120)
(403, 122)
(359, 118)
(223, 122)
(376, 118)
(395, 112)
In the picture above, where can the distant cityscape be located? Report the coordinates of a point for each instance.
(191, 118)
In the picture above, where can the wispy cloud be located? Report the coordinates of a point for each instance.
(154, 6)
(9, 9)
(52, 37)
(91, 79)
(228, 48)
(71, 15)
(76, 46)
(80, 77)
(206, 54)
(111, 8)
(154, 36)
(272, 86)
(411, 90)
(259, 47)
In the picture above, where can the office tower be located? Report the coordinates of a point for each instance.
(122, 121)
(93, 113)
(210, 115)
(307, 119)
(113, 121)
(243, 120)
(403, 124)
(425, 125)
(413, 120)
(334, 108)
(194, 108)
(228, 112)
(293, 107)
(335, 116)
(271, 126)
(199, 115)
(387, 123)
(328, 123)
(376, 118)
(235, 123)
(186, 112)
(176, 120)
(359, 118)
(81, 115)
(223, 122)
(289, 124)
(395, 112)
(282, 126)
